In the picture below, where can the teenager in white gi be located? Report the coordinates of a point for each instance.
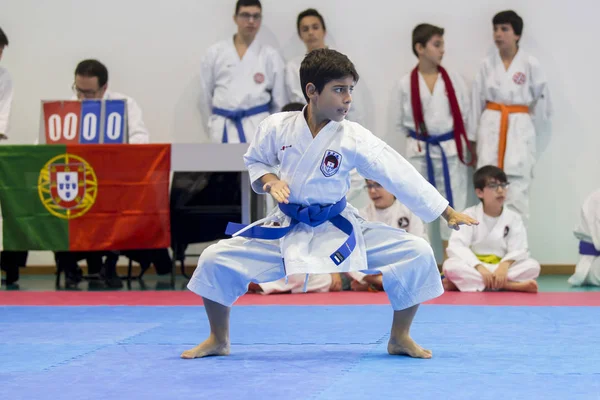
(495, 254)
(509, 89)
(312, 30)
(587, 270)
(385, 208)
(242, 80)
(91, 82)
(6, 92)
(431, 108)
(304, 159)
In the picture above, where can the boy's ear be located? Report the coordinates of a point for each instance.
(479, 193)
(311, 89)
(419, 48)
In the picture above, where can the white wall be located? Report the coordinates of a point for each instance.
(153, 50)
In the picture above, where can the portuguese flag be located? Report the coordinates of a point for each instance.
(85, 197)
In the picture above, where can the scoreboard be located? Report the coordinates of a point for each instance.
(84, 122)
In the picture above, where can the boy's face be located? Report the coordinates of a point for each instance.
(334, 101)
(504, 36)
(433, 50)
(494, 193)
(312, 33)
(248, 19)
(380, 197)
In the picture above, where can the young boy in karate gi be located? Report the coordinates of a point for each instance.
(303, 160)
(493, 255)
(431, 107)
(509, 92)
(386, 209)
(242, 80)
(587, 270)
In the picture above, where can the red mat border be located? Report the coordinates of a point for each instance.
(183, 298)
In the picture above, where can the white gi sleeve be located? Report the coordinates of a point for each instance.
(377, 161)
(261, 157)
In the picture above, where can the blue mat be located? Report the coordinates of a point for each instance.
(294, 352)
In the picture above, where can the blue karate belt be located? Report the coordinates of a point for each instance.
(588, 249)
(436, 141)
(237, 116)
(313, 215)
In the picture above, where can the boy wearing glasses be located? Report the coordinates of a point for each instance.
(385, 208)
(242, 80)
(494, 255)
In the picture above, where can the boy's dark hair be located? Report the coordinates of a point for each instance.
(311, 12)
(488, 173)
(509, 17)
(3, 38)
(292, 107)
(246, 3)
(322, 66)
(93, 68)
(423, 33)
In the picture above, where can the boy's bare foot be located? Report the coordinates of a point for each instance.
(210, 347)
(448, 285)
(529, 286)
(405, 345)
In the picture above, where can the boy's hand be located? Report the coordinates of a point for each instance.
(455, 219)
(279, 190)
(500, 275)
(336, 283)
(488, 277)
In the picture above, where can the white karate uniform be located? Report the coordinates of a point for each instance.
(137, 131)
(358, 195)
(284, 143)
(397, 216)
(231, 83)
(587, 270)
(524, 83)
(6, 96)
(438, 120)
(504, 236)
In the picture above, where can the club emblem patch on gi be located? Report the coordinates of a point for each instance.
(519, 78)
(403, 222)
(331, 163)
(259, 78)
(506, 230)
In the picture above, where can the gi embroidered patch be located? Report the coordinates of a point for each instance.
(403, 222)
(331, 163)
(259, 78)
(519, 78)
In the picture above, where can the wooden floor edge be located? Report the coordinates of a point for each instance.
(547, 269)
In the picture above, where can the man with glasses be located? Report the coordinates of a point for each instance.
(91, 82)
(242, 80)
(495, 254)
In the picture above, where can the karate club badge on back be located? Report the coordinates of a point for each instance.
(331, 163)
